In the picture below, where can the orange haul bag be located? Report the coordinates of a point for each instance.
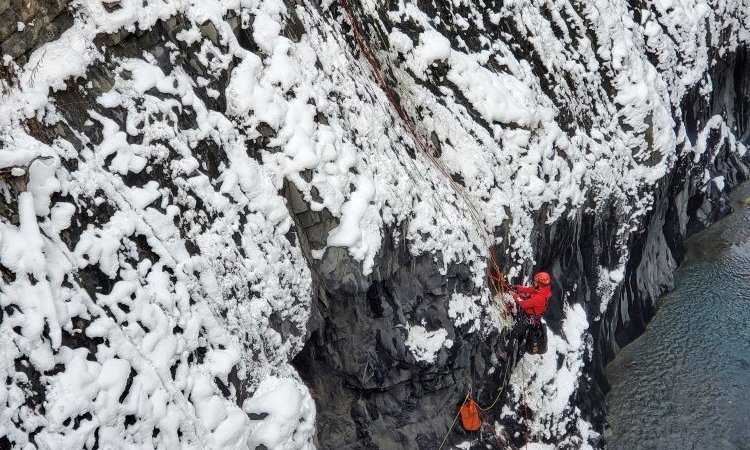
(470, 416)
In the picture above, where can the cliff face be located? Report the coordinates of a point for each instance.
(692, 197)
(267, 224)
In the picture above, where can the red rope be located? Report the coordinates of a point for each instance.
(366, 50)
(370, 57)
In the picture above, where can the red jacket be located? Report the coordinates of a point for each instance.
(533, 300)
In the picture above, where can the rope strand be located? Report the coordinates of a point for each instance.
(468, 394)
(420, 142)
(497, 285)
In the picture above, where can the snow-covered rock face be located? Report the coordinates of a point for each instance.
(204, 204)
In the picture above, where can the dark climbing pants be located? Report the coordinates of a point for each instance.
(523, 327)
(519, 330)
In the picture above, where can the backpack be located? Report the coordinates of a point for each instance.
(470, 419)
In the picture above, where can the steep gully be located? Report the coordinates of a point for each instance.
(371, 394)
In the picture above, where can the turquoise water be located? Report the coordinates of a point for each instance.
(685, 383)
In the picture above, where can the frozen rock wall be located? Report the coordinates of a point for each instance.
(25, 25)
(233, 224)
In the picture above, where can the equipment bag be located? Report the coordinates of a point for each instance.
(470, 419)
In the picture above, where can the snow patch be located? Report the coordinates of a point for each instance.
(288, 414)
(424, 345)
(465, 309)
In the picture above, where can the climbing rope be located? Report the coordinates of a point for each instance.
(455, 419)
(421, 143)
(500, 392)
(498, 284)
(527, 428)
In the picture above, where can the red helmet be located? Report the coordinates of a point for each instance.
(543, 278)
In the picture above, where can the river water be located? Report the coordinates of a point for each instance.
(685, 383)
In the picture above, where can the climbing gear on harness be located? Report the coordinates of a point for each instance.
(532, 320)
(470, 419)
(543, 278)
(530, 335)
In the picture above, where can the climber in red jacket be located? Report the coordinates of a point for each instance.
(533, 299)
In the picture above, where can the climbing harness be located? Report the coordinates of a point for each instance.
(536, 338)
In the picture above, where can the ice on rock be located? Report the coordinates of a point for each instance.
(154, 269)
(424, 345)
(400, 42)
(464, 310)
(719, 182)
(285, 412)
(355, 211)
(21, 248)
(170, 330)
(432, 47)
